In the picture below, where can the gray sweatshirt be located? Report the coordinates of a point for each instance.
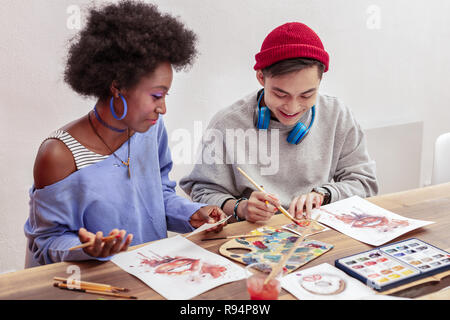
(332, 155)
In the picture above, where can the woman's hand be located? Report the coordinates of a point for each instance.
(208, 214)
(301, 206)
(260, 206)
(103, 249)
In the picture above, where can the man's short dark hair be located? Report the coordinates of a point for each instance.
(292, 65)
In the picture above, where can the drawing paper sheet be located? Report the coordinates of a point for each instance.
(365, 221)
(324, 282)
(177, 268)
(207, 226)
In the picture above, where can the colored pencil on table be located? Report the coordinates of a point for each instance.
(89, 284)
(87, 290)
(87, 244)
(260, 188)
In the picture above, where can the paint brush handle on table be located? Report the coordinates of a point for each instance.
(89, 284)
(88, 290)
(260, 188)
(90, 243)
(280, 265)
(239, 236)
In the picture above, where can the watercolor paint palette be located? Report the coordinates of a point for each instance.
(395, 264)
(270, 246)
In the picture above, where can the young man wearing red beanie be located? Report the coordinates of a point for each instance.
(320, 148)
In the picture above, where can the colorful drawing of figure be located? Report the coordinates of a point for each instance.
(181, 265)
(365, 220)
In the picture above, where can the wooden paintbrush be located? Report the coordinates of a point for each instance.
(260, 188)
(105, 292)
(280, 265)
(239, 236)
(87, 244)
(97, 286)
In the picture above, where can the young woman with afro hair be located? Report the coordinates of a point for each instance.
(107, 173)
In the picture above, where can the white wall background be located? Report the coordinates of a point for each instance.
(389, 62)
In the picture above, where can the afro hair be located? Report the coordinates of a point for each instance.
(124, 42)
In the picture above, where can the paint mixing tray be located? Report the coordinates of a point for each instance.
(269, 247)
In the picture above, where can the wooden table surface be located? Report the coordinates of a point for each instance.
(430, 203)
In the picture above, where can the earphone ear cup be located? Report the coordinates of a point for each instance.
(263, 118)
(297, 133)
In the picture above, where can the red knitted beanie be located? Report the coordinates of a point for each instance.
(291, 40)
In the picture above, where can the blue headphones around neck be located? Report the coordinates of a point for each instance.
(296, 135)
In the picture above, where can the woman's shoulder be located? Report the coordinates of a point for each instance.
(54, 160)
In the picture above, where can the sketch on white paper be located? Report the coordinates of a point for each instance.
(365, 221)
(324, 282)
(177, 268)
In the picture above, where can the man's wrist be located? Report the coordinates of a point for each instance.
(238, 213)
(325, 193)
(242, 208)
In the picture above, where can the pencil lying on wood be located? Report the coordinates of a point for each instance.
(260, 188)
(89, 284)
(106, 293)
(87, 244)
(241, 236)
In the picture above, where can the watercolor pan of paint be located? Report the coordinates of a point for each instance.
(395, 264)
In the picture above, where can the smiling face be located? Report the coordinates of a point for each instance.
(146, 100)
(290, 95)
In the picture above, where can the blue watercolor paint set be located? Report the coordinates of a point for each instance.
(395, 264)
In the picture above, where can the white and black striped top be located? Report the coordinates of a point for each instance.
(83, 156)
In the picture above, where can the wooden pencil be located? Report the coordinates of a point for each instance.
(90, 284)
(106, 293)
(87, 244)
(260, 188)
(279, 266)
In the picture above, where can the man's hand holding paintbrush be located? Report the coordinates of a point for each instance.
(261, 206)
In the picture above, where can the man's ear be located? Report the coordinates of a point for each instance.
(260, 77)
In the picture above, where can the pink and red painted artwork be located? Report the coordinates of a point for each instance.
(177, 268)
(365, 221)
